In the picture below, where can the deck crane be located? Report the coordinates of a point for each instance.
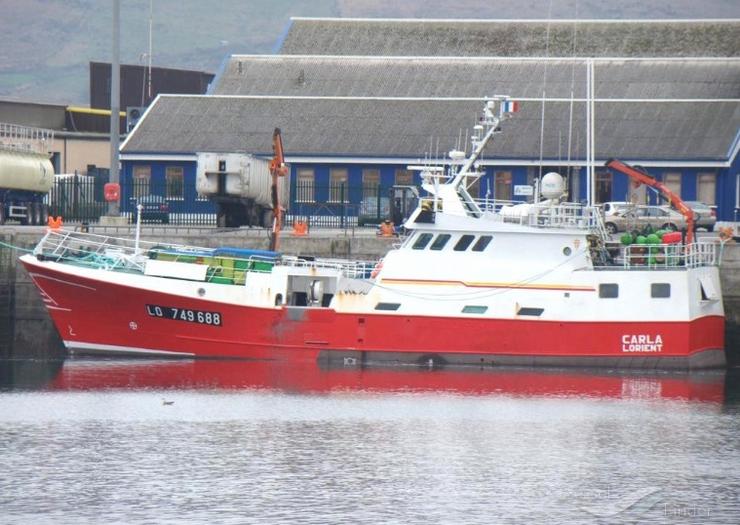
(277, 169)
(641, 177)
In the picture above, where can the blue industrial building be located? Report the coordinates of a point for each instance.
(673, 108)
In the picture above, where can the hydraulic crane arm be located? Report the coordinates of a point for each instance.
(643, 178)
(277, 169)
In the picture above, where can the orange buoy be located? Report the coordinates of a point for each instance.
(54, 223)
(300, 228)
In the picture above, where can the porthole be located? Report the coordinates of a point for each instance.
(567, 251)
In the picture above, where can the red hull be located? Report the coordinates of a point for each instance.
(91, 314)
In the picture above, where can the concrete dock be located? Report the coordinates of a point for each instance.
(27, 331)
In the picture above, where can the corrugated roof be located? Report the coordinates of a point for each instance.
(405, 128)
(597, 38)
(475, 77)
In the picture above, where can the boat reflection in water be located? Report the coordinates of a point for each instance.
(83, 374)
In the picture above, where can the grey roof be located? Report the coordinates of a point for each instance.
(305, 75)
(598, 38)
(405, 128)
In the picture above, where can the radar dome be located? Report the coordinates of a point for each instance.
(553, 185)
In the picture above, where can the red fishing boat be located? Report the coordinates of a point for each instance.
(474, 282)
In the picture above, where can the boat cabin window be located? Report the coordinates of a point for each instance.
(474, 309)
(660, 290)
(463, 243)
(481, 243)
(440, 241)
(421, 241)
(608, 290)
(388, 306)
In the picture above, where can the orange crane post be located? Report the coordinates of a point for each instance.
(641, 177)
(277, 169)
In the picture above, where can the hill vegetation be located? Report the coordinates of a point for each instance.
(46, 45)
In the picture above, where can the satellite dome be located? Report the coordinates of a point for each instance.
(553, 185)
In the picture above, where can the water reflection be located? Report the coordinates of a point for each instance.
(265, 442)
(97, 374)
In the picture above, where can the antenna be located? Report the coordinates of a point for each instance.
(544, 85)
(149, 79)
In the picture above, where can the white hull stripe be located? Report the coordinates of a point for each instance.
(77, 345)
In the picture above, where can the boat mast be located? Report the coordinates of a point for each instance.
(491, 122)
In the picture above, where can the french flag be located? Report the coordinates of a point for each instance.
(509, 106)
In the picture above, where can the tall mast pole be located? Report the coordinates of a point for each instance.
(149, 77)
(115, 85)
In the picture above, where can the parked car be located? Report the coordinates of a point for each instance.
(704, 216)
(154, 209)
(613, 208)
(639, 217)
(373, 210)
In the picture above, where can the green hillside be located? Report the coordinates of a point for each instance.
(45, 45)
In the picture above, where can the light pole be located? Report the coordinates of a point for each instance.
(115, 102)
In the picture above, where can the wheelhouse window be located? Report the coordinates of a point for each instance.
(338, 185)
(440, 241)
(421, 241)
(142, 177)
(463, 243)
(175, 180)
(660, 290)
(482, 243)
(304, 188)
(608, 290)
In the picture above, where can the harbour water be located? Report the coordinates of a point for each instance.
(136, 441)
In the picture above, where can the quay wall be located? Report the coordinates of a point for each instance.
(27, 331)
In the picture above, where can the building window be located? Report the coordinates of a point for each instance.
(421, 241)
(404, 177)
(706, 188)
(603, 186)
(304, 186)
(463, 243)
(609, 291)
(481, 243)
(472, 185)
(141, 179)
(440, 241)
(338, 185)
(660, 290)
(502, 186)
(175, 182)
(370, 183)
(672, 181)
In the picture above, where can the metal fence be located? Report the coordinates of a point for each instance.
(80, 198)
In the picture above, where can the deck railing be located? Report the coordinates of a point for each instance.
(112, 253)
(664, 256)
